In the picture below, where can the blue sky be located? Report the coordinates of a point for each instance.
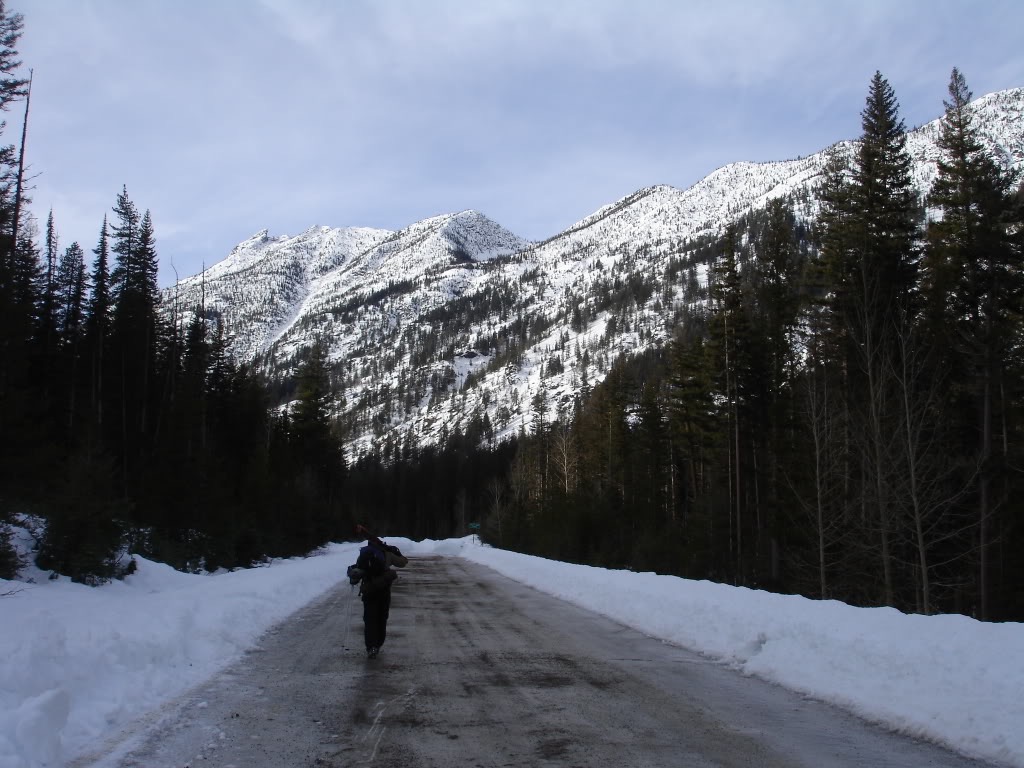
(225, 117)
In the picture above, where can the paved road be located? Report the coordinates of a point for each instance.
(480, 672)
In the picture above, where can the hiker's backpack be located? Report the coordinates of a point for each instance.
(376, 575)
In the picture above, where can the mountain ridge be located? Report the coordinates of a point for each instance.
(397, 310)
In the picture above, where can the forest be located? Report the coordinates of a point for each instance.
(128, 432)
(839, 418)
(838, 414)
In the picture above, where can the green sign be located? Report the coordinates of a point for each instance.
(474, 526)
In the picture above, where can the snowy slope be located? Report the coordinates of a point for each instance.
(256, 289)
(423, 253)
(417, 320)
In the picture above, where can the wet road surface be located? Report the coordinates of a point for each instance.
(479, 671)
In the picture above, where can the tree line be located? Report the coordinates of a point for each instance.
(125, 430)
(841, 419)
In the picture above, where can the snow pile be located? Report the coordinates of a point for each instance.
(77, 664)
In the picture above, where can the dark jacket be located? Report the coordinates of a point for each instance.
(373, 568)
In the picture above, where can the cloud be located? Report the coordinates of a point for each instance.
(224, 117)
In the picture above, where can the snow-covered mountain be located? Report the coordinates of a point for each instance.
(258, 287)
(455, 320)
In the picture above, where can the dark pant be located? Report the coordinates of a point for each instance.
(375, 617)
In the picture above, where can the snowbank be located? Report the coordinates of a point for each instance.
(950, 679)
(77, 663)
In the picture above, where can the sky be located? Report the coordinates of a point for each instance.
(225, 117)
(79, 664)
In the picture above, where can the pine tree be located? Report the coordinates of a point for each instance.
(149, 301)
(870, 245)
(125, 234)
(779, 293)
(731, 348)
(192, 388)
(651, 451)
(70, 295)
(886, 207)
(690, 412)
(317, 452)
(134, 326)
(779, 297)
(870, 226)
(974, 289)
(310, 416)
(97, 324)
(49, 289)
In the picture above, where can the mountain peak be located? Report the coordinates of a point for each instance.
(475, 237)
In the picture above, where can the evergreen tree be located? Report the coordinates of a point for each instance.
(69, 316)
(974, 288)
(316, 451)
(779, 297)
(70, 294)
(870, 221)
(97, 324)
(886, 207)
(49, 289)
(650, 477)
(690, 417)
(134, 326)
(870, 245)
(779, 293)
(125, 234)
(730, 345)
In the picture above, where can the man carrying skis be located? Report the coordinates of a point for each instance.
(372, 571)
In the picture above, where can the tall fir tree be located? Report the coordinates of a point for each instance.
(731, 349)
(97, 327)
(779, 293)
(871, 247)
(973, 287)
(71, 295)
(133, 327)
(125, 235)
(315, 449)
(690, 407)
(69, 292)
(49, 289)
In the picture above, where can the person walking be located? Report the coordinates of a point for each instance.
(373, 572)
